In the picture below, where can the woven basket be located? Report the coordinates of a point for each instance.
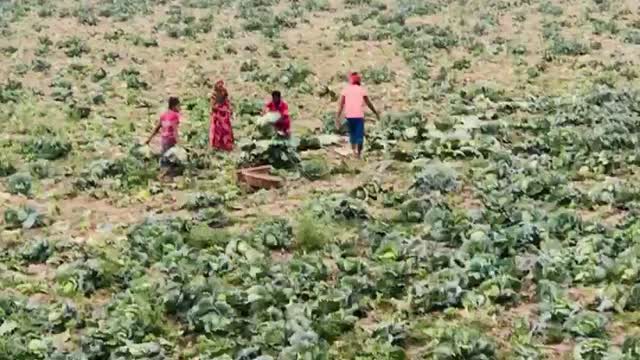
(265, 169)
(259, 177)
(263, 181)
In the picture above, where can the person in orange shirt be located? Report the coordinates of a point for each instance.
(352, 102)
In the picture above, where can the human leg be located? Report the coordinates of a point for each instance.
(166, 145)
(354, 150)
(351, 130)
(356, 135)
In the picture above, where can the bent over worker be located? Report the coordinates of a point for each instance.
(283, 125)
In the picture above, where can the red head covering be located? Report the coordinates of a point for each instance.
(219, 89)
(354, 78)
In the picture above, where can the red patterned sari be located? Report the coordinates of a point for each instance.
(220, 132)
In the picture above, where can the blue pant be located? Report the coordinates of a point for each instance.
(356, 130)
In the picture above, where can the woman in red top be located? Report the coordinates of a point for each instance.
(220, 131)
(283, 125)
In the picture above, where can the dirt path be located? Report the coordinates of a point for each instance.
(80, 217)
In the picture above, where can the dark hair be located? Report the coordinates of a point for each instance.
(276, 93)
(173, 102)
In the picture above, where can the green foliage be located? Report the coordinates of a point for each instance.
(414, 210)
(7, 166)
(547, 7)
(371, 190)
(250, 107)
(258, 16)
(631, 347)
(226, 33)
(591, 349)
(149, 350)
(436, 177)
(9, 50)
(84, 277)
(100, 74)
(309, 142)
(586, 324)
(312, 232)
(47, 148)
(317, 5)
(483, 193)
(132, 77)
(249, 65)
(462, 64)
(40, 65)
(274, 234)
(182, 24)
(86, 16)
(329, 125)
(604, 27)
(378, 75)
(567, 47)
(146, 42)
(23, 217)
(62, 90)
(294, 75)
(110, 57)
(523, 343)
(37, 251)
(315, 169)
(203, 236)
(349, 210)
(277, 152)
(74, 47)
(123, 11)
(128, 172)
(19, 183)
(203, 200)
(632, 37)
(448, 342)
(11, 91)
(212, 217)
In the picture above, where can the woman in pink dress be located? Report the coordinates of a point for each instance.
(168, 125)
(220, 131)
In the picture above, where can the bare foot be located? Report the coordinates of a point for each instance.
(162, 176)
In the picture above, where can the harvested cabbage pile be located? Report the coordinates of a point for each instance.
(264, 128)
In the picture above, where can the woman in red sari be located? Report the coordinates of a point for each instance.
(220, 132)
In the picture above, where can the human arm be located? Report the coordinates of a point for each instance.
(154, 133)
(370, 105)
(340, 110)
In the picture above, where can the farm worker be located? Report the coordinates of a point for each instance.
(220, 131)
(283, 125)
(168, 125)
(354, 97)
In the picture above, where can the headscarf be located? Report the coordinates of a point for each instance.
(355, 79)
(220, 90)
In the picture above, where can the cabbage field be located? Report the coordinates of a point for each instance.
(494, 214)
